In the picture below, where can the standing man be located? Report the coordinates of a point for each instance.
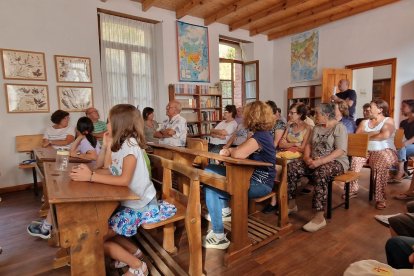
(174, 129)
(99, 126)
(348, 95)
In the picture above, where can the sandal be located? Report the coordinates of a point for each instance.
(380, 205)
(404, 196)
(141, 271)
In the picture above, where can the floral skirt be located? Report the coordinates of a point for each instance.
(126, 221)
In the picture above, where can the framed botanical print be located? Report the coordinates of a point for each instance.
(73, 69)
(23, 65)
(74, 99)
(26, 98)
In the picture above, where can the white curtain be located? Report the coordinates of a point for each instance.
(128, 62)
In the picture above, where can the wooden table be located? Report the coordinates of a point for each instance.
(80, 215)
(49, 155)
(236, 183)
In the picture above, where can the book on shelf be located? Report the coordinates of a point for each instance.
(184, 88)
(188, 103)
(210, 115)
(210, 102)
(192, 129)
(189, 116)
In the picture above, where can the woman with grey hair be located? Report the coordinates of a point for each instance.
(324, 158)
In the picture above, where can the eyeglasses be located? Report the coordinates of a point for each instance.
(292, 112)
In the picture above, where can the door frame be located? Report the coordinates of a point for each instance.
(390, 61)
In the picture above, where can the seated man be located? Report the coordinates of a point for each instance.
(174, 129)
(98, 126)
(366, 111)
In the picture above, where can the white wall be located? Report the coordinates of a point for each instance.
(379, 34)
(362, 84)
(71, 28)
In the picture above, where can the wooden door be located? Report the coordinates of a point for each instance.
(330, 79)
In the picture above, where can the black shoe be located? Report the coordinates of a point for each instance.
(35, 230)
(269, 208)
(306, 191)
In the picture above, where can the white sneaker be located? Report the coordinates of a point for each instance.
(313, 227)
(211, 241)
(384, 218)
(226, 216)
(293, 210)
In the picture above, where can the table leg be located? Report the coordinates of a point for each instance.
(82, 227)
(238, 178)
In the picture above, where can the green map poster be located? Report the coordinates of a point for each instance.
(304, 56)
(193, 60)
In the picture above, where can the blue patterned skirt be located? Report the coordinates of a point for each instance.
(126, 220)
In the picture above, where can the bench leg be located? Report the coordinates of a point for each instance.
(35, 188)
(329, 207)
(371, 184)
(347, 195)
(168, 241)
(252, 207)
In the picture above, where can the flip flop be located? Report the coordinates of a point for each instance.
(380, 205)
(404, 196)
(394, 180)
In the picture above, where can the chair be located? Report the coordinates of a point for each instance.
(398, 142)
(279, 190)
(198, 144)
(26, 144)
(188, 210)
(357, 147)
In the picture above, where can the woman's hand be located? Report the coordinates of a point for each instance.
(313, 164)
(225, 152)
(107, 140)
(81, 173)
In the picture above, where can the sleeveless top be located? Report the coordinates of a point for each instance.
(379, 145)
(292, 137)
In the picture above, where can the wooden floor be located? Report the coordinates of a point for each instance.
(350, 236)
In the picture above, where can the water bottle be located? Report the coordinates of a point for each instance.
(62, 159)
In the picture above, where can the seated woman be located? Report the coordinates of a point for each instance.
(240, 135)
(257, 118)
(279, 126)
(407, 151)
(60, 134)
(381, 150)
(293, 140)
(342, 115)
(86, 145)
(324, 158)
(150, 125)
(223, 131)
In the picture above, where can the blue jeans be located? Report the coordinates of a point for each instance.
(398, 249)
(217, 199)
(405, 152)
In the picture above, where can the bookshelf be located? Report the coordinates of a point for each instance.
(309, 95)
(201, 106)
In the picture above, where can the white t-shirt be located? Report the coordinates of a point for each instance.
(230, 127)
(141, 183)
(59, 134)
(179, 125)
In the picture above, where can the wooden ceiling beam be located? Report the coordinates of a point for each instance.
(334, 17)
(298, 16)
(223, 12)
(283, 5)
(187, 7)
(146, 4)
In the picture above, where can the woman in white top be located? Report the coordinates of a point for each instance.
(60, 134)
(224, 130)
(381, 150)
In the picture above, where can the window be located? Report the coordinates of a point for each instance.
(238, 79)
(128, 61)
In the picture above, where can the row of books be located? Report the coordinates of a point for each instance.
(210, 115)
(188, 103)
(206, 127)
(186, 88)
(210, 102)
(192, 129)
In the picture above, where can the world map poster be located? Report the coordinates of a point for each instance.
(193, 59)
(304, 56)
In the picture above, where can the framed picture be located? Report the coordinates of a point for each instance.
(26, 98)
(193, 53)
(23, 65)
(74, 99)
(73, 69)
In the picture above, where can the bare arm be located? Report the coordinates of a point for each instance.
(386, 131)
(230, 141)
(69, 139)
(243, 151)
(83, 173)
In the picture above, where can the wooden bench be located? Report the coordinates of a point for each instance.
(26, 144)
(358, 147)
(188, 210)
